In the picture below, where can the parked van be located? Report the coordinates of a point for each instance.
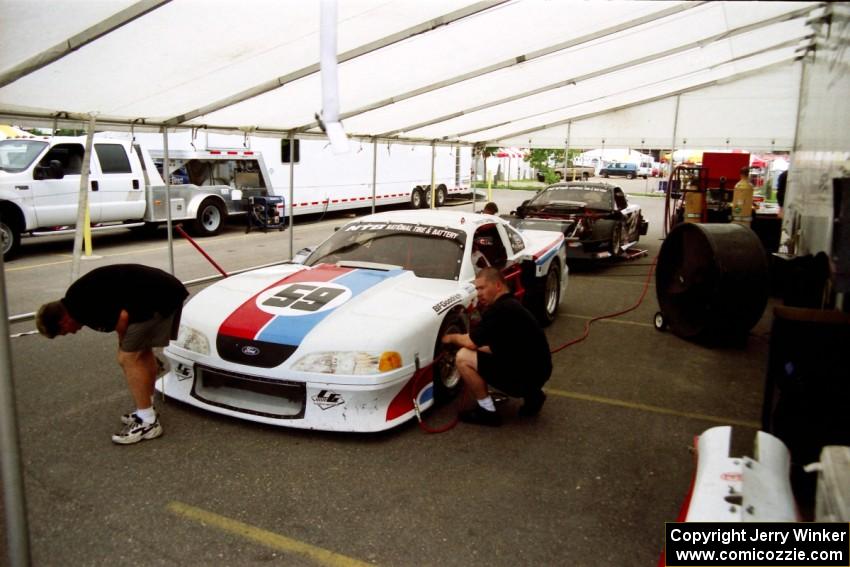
(619, 168)
(645, 169)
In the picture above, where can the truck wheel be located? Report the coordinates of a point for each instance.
(631, 176)
(447, 380)
(210, 219)
(416, 198)
(442, 194)
(10, 238)
(545, 295)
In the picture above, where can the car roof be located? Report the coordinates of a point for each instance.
(460, 220)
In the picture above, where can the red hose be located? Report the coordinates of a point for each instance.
(610, 315)
(182, 232)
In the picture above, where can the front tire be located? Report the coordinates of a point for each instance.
(447, 381)
(10, 238)
(210, 218)
(545, 296)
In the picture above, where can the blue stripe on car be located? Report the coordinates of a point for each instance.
(545, 258)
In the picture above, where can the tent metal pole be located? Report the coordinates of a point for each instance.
(433, 174)
(291, 195)
(374, 172)
(166, 176)
(14, 497)
(567, 148)
(83, 202)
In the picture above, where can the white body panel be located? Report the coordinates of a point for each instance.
(377, 310)
(324, 181)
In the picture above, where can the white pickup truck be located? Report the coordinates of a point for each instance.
(40, 185)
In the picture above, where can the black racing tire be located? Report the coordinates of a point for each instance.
(10, 238)
(417, 198)
(616, 240)
(442, 195)
(544, 295)
(447, 381)
(210, 218)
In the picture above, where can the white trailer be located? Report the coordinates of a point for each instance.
(324, 181)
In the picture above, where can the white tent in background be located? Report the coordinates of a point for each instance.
(598, 156)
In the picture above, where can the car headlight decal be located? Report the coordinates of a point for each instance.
(352, 363)
(193, 340)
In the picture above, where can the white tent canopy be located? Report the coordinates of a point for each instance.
(503, 73)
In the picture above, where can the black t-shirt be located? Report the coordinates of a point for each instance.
(515, 338)
(96, 299)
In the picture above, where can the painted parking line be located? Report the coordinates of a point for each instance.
(263, 537)
(653, 409)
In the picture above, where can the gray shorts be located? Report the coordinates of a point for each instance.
(153, 332)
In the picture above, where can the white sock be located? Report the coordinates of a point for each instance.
(147, 415)
(487, 403)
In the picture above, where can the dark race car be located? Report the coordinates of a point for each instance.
(596, 219)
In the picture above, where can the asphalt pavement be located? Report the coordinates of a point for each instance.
(588, 482)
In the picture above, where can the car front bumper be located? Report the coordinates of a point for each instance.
(316, 403)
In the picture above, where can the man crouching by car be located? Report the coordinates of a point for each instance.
(507, 350)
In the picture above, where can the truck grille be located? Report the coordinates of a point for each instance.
(266, 397)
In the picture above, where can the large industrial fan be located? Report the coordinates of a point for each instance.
(711, 281)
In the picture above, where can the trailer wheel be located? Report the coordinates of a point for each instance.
(447, 380)
(585, 175)
(442, 195)
(10, 238)
(210, 219)
(416, 198)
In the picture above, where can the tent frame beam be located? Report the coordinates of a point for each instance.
(381, 43)
(619, 67)
(712, 83)
(75, 42)
(517, 60)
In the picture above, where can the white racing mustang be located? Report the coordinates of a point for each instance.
(348, 339)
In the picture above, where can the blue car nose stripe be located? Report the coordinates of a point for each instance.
(292, 330)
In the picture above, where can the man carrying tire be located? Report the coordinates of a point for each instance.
(507, 350)
(143, 305)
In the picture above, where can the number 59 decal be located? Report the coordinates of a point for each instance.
(302, 298)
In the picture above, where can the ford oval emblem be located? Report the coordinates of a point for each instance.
(250, 350)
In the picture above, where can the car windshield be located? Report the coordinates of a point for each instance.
(17, 155)
(591, 197)
(428, 251)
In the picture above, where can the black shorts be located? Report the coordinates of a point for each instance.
(506, 378)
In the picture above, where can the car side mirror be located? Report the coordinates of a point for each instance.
(520, 211)
(302, 255)
(55, 170)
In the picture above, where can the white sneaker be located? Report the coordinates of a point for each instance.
(128, 418)
(136, 431)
